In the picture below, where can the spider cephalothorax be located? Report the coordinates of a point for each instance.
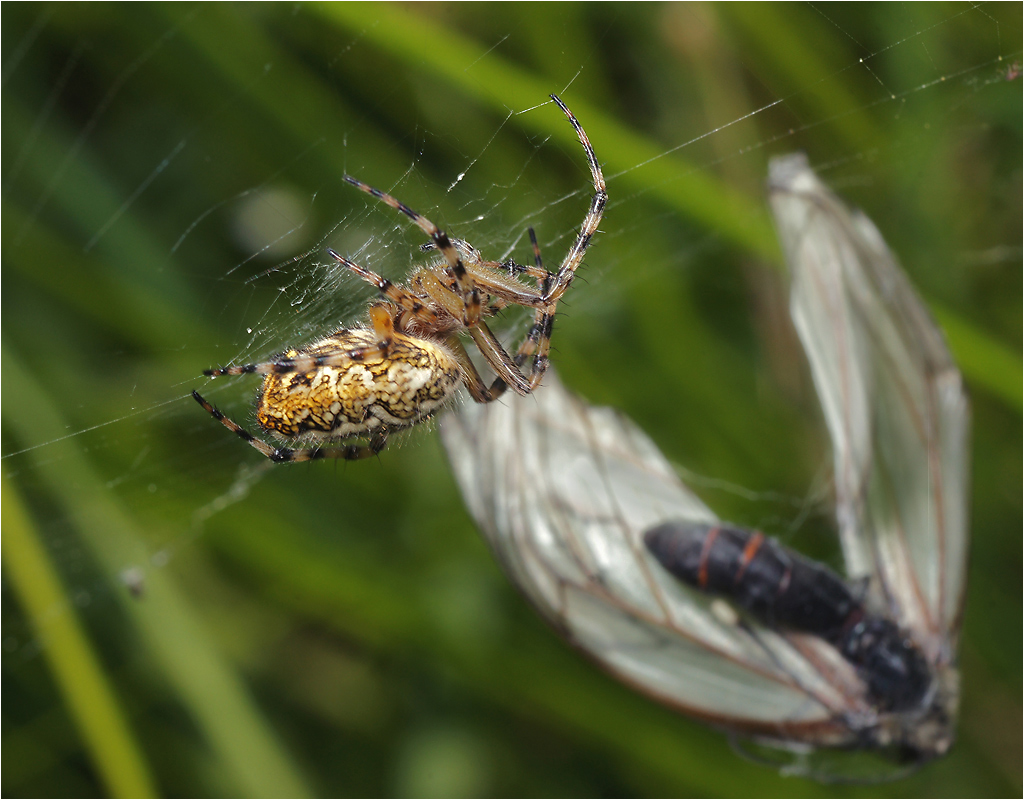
(408, 361)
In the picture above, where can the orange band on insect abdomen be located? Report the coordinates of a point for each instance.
(749, 552)
(702, 570)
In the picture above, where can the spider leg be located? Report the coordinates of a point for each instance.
(498, 279)
(493, 278)
(538, 340)
(478, 390)
(522, 269)
(538, 262)
(495, 274)
(537, 271)
(481, 270)
(467, 251)
(501, 362)
(405, 300)
(591, 222)
(351, 452)
(466, 289)
(472, 257)
(433, 287)
(496, 305)
(551, 286)
(383, 324)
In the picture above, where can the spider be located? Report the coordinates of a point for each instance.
(408, 361)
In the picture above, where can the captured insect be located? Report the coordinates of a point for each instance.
(851, 677)
(786, 591)
(408, 362)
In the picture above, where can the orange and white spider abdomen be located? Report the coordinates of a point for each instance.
(415, 379)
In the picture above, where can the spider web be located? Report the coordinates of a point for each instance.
(171, 183)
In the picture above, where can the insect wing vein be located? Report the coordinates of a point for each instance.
(563, 493)
(894, 404)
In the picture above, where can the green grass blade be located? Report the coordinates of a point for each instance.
(254, 763)
(90, 698)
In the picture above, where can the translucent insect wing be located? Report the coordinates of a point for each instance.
(895, 407)
(563, 492)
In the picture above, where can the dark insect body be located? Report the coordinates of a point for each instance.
(787, 591)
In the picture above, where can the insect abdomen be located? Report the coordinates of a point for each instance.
(785, 590)
(771, 582)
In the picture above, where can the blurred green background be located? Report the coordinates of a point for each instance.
(182, 618)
